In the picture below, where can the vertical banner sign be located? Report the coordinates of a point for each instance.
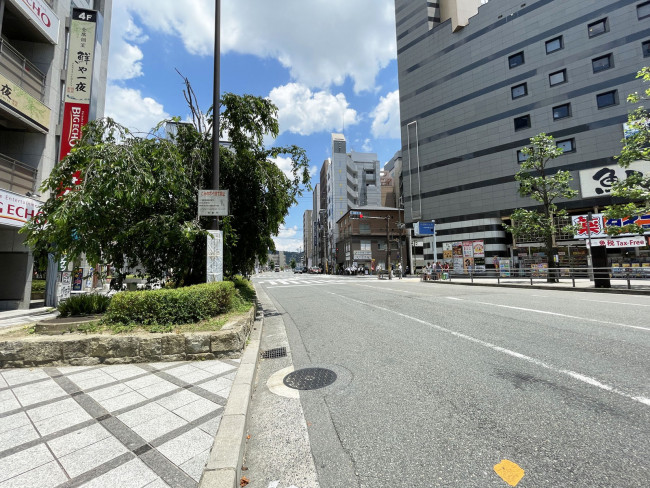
(81, 53)
(215, 256)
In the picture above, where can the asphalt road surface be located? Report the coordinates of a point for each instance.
(459, 386)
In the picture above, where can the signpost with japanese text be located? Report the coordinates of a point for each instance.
(213, 203)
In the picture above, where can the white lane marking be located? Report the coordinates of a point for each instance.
(314, 284)
(580, 377)
(544, 312)
(273, 282)
(617, 303)
(453, 298)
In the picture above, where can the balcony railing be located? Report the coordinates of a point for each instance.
(18, 69)
(16, 176)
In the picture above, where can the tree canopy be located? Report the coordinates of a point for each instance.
(635, 189)
(544, 185)
(133, 199)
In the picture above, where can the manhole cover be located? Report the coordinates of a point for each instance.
(310, 378)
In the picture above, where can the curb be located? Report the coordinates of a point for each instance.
(549, 287)
(12, 314)
(223, 469)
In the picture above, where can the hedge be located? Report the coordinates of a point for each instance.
(171, 306)
(86, 304)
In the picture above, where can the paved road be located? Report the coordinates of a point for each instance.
(437, 384)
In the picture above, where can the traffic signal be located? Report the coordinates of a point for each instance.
(354, 214)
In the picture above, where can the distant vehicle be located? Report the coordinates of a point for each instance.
(314, 270)
(277, 268)
(297, 269)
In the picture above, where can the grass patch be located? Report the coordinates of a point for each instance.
(38, 286)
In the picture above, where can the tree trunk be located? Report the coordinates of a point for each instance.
(551, 276)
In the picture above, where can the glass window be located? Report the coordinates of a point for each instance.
(516, 60)
(554, 45)
(601, 63)
(561, 111)
(646, 49)
(365, 246)
(606, 99)
(522, 122)
(557, 77)
(521, 157)
(568, 145)
(597, 28)
(643, 10)
(519, 90)
(364, 228)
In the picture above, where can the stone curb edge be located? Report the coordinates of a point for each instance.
(223, 469)
(550, 287)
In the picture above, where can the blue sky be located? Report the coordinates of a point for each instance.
(329, 66)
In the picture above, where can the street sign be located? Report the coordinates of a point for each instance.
(213, 203)
(354, 214)
(426, 228)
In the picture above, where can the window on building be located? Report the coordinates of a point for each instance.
(519, 90)
(646, 49)
(561, 111)
(522, 122)
(554, 45)
(521, 157)
(516, 60)
(597, 28)
(602, 63)
(557, 77)
(567, 145)
(606, 99)
(365, 246)
(643, 10)
(364, 228)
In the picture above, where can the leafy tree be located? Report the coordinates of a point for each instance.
(271, 265)
(136, 203)
(635, 189)
(545, 186)
(293, 263)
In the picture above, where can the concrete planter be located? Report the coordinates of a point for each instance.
(89, 350)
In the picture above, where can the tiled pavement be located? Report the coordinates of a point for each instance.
(137, 425)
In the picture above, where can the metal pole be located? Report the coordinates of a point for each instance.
(215, 103)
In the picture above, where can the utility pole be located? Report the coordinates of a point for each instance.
(216, 96)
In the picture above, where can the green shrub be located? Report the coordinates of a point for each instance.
(38, 286)
(87, 304)
(171, 306)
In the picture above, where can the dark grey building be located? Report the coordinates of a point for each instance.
(478, 79)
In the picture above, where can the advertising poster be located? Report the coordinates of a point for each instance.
(468, 249)
(447, 252)
(468, 264)
(77, 279)
(479, 265)
(479, 249)
(458, 264)
(504, 268)
(457, 248)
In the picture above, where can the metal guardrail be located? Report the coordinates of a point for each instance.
(16, 176)
(21, 71)
(530, 275)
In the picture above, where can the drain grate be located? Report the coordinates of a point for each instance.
(278, 352)
(310, 378)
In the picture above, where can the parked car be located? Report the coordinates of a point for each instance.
(297, 270)
(314, 270)
(277, 268)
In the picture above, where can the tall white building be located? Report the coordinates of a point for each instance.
(352, 182)
(40, 64)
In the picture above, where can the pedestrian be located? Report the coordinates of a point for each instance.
(495, 261)
(445, 271)
(399, 269)
(438, 270)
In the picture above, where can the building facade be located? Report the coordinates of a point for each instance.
(34, 79)
(353, 180)
(478, 79)
(308, 238)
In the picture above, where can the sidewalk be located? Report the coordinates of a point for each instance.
(139, 425)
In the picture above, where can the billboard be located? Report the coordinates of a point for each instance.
(597, 182)
(598, 225)
(81, 55)
(426, 228)
(41, 16)
(15, 209)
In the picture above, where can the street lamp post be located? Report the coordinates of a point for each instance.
(215, 103)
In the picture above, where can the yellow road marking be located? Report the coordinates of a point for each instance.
(509, 472)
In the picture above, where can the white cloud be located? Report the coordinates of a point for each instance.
(284, 164)
(129, 108)
(125, 57)
(385, 117)
(288, 239)
(312, 39)
(367, 146)
(304, 112)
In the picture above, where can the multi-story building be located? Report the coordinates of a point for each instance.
(36, 50)
(373, 241)
(307, 237)
(478, 79)
(352, 181)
